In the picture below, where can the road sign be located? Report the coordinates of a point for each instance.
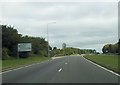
(24, 47)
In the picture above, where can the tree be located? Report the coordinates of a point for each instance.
(10, 38)
(5, 53)
(54, 48)
(110, 48)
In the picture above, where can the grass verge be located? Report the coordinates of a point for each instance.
(108, 61)
(15, 63)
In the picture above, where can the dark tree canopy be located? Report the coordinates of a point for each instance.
(10, 39)
(110, 48)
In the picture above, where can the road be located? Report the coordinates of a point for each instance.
(71, 69)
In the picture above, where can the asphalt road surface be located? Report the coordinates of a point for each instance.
(71, 69)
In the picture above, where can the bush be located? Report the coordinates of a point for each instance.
(23, 54)
(5, 53)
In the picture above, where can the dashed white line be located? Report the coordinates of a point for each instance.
(66, 63)
(60, 70)
(102, 67)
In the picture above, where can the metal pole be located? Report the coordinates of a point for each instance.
(119, 46)
(48, 37)
(48, 40)
(18, 55)
(17, 52)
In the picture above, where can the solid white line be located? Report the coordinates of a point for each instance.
(103, 67)
(60, 70)
(20, 67)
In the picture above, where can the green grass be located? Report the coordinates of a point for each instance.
(14, 63)
(0, 65)
(109, 61)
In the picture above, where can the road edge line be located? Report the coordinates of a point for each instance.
(102, 67)
(17, 68)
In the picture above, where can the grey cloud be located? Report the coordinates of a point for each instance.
(47, 11)
(83, 25)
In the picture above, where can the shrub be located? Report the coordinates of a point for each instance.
(5, 53)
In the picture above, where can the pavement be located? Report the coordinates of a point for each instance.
(69, 69)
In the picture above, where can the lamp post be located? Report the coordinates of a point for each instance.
(48, 37)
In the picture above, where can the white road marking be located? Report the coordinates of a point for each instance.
(66, 63)
(13, 69)
(60, 70)
(103, 67)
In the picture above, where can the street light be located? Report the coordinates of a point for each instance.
(48, 37)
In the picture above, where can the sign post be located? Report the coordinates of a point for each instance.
(23, 47)
(18, 55)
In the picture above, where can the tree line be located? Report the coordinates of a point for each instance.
(71, 51)
(112, 48)
(11, 37)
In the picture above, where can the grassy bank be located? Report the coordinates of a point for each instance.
(106, 60)
(0, 65)
(14, 63)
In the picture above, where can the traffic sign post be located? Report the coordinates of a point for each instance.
(18, 54)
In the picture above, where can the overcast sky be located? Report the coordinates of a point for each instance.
(88, 25)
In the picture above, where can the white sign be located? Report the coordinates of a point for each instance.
(24, 47)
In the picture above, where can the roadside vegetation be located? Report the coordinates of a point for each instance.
(111, 48)
(10, 39)
(15, 63)
(109, 61)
